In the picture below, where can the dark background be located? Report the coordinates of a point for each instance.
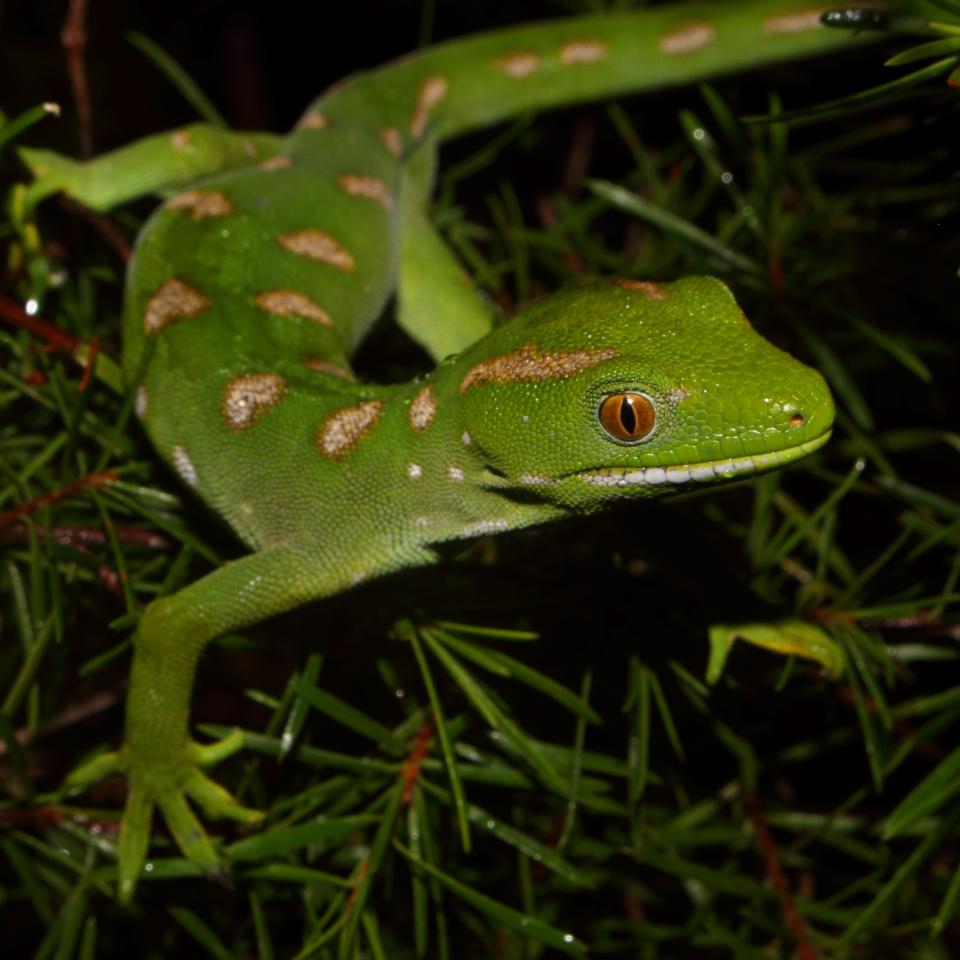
(648, 578)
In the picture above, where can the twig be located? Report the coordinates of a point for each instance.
(792, 918)
(100, 479)
(111, 233)
(73, 36)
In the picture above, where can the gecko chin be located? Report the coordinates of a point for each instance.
(705, 471)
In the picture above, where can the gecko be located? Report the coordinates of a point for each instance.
(254, 282)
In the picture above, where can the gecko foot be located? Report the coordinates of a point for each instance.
(167, 779)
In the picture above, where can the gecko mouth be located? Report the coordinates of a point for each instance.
(703, 471)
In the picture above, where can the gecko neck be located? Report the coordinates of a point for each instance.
(445, 480)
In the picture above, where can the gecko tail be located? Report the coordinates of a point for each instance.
(465, 84)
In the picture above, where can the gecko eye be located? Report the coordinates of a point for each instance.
(628, 417)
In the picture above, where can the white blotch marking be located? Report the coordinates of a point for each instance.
(248, 396)
(345, 427)
(392, 140)
(519, 64)
(423, 409)
(583, 51)
(361, 185)
(246, 508)
(431, 92)
(180, 141)
(249, 148)
(184, 466)
(679, 394)
(421, 522)
(141, 402)
(455, 473)
(483, 527)
(292, 303)
(201, 204)
(652, 291)
(313, 120)
(414, 471)
(280, 162)
(535, 479)
(319, 246)
(689, 38)
(796, 22)
(319, 365)
(466, 439)
(174, 300)
(528, 365)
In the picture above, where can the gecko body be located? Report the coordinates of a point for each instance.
(266, 265)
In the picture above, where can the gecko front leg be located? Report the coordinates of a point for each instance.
(162, 764)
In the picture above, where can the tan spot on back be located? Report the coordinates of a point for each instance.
(319, 365)
(392, 140)
(527, 366)
(344, 428)
(423, 409)
(141, 402)
(652, 291)
(687, 39)
(313, 120)
(201, 204)
(173, 301)
(431, 92)
(794, 22)
(279, 162)
(249, 148)
(248, 396)
(180, 140)
(361, 185)
(331, 90)
(519, 64)
(292, 303)
(583, 51)
(317, 245)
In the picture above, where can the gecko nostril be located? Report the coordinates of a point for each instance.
(796, 420)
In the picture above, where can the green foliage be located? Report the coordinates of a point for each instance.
(436, 783)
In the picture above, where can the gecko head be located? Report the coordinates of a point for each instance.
(625, 389)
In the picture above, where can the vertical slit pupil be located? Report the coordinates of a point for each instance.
(628, 419)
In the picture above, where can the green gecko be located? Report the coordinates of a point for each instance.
(255, 281)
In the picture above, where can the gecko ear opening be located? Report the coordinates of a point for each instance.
(628, 417)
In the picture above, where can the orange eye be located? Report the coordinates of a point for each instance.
(629, 417)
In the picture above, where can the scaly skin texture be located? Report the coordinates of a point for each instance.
(250, 289)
